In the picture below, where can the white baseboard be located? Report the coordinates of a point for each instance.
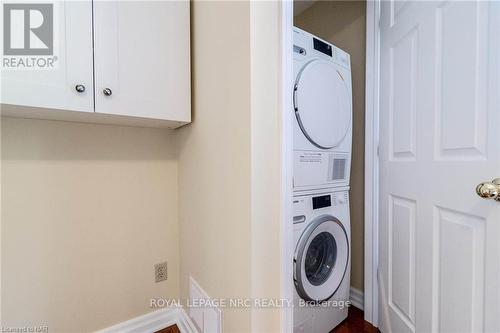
(357, 298)
(154, 321)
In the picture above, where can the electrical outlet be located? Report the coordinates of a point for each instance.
(161, 272)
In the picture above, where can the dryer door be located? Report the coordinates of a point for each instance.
(322, 103)
(321, 259)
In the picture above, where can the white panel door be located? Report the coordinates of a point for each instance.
(439, 125)
(56, 88)
(142, 55)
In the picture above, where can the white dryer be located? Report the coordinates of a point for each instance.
(322, 99)
(321, 260)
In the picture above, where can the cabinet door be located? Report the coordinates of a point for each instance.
(142, 59)
(55, 88)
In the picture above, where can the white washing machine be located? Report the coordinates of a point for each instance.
(321, 260)
(322, 99)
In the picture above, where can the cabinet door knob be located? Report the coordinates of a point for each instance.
(107, 92)
(80, 88)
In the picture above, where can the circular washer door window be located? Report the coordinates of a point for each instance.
(321, 259)
(322, 103)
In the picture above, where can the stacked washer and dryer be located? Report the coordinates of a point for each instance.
(322, 156)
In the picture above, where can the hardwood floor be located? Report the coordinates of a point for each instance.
(170, 329)
(355, 323)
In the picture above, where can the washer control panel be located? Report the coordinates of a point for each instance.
(322, 201)
(305, 206)
(340, 198)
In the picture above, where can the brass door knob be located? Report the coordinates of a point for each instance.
(489, 190)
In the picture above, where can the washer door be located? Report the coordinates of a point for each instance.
(321, 259)
(322, 103)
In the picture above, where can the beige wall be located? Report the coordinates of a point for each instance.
(343, 23)
(87, 210)
(214, 159)
(229, 171)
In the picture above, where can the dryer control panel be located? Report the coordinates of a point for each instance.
(321, 46)
(305, 44)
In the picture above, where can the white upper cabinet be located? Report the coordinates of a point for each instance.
(142, 59)
(124, 62)
(57, 88)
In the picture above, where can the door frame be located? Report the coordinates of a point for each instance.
(371, 161)
(287, 246)
(372, 80)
